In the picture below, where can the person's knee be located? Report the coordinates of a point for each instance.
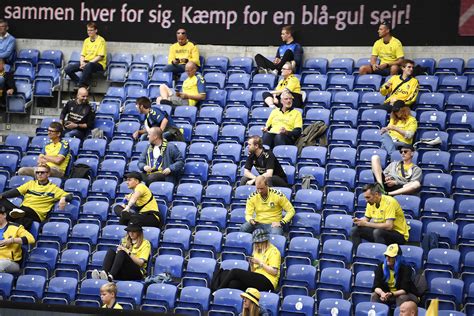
(365, 69)
(379, 235)
(375, 159)
(394, 69)
(355, 231)
(246, 227)
(280, 140)
(374, 297)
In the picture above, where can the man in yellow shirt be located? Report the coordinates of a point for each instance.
(264, 209)
(390, 52)
(39, 197)
(284, 125)
(384, 221)
(403, 87)
(192, 92)
(141, 200)
(55, 153)
(180, 53)
(93, 57)
(290, 82)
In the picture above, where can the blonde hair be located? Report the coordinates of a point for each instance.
(128, 241)
(402, 115)
(261, 247)
(253, 310)
(109, 287)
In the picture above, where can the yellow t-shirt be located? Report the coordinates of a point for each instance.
(409, 125)
(388, 53)
(188, 51)
(194, 85)
(391, 281)
(116, 306)
(40, 198)
(271, 257)
(389, 209)
(291, 83)
(407, 92)
(91, 50)
(146, 198)
(290, 120)
(60, 148)
(269, 210)
(142, 252)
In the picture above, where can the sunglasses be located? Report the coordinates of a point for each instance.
(52, 131)
(180, 33)
(41, 172)
(404, 151)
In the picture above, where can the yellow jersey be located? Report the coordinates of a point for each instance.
(40, 198)
(142, 252)
(271, 257)
(14, 252)
(92, 49)
(291, 83)
(115, 306)
(407, 92)
(388, 53)
(269, 210)
(187, 51)
(409, 125)
(194, 85)
(290, 120)
(60, 148)
(146, 201)
(389, 209)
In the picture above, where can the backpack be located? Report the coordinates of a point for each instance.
(80, 171)
(310, 134)
(430, 241)
(420, 285)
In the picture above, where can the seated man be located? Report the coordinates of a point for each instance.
(399, 177)
(12, 237)
(161, 161)
(390, 52)
(7, 43)
(55, 153)
(264, 209)
(93, 57)
(39, 197)
(403, 87)
(156, 118)
(7, 83)
(266, 164)
(192, 92)
(384, 221)
(288, 52)
(290, 82)
(181, 53)
(284, 125)
(78, 116)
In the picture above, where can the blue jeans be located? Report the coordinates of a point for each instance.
(74, 133)
(175, 69)
(87, 72)
(249, 228)
(388, 144)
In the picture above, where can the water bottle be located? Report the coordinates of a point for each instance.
(334, 311)
(464, 118)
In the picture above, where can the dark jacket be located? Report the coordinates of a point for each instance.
(79, 114)
(403, 282)
(9, 83)
(172, 159)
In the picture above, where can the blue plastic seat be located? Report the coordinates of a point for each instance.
(426, 63)
(227, 300)
(302, 247)
(214, 80)
(57, 231)
(299, 279)
(312, 82)
(318, 98)
(341, 66)
(29, 288)
(130, 292)
(6, 284)
(341, 82)
(171, 264)
(240, 64)
(314, 66)
(455, 84)
(366, 308)
(159, 297)
(239, 97)
(431, 100)
(458, 101)
(334, 283)
(450, 65)
(428, 83)
(61, 290)
(368, 82)
(329, 305)
(301, 304)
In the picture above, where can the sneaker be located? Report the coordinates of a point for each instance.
(110, 277)
(95, 274)
(274, 71)
(103, 275)
(262, 70)
(17, 213)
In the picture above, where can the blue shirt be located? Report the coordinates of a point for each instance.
(156, 116)
(295, 48)
(7, 48)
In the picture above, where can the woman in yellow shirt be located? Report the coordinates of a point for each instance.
(401, 128)
(139, 206)
(284, 125)
(290, 82)
(264, 267)
(129, 260)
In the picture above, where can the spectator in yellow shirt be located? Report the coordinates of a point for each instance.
(93, 57)
(180, 53)
(108, 294)
(384, 221)
(290, 82)
(264, 209)
(284, 125)
(403, 87)
(390, 52)
(264, 268)
(401, 128)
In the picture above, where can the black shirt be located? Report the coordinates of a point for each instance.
(78, 113)
(265, 161)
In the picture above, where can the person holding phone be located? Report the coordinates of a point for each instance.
(181, 52)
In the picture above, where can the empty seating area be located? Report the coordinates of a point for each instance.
(203, 212)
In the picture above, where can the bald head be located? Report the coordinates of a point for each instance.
(409, 308)
(261, 185)
(82, 95)
(190, 68)
(155, 136)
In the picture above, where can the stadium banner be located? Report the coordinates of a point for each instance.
(244, 22)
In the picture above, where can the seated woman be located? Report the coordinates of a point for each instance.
(401, 128)
(250, 304)
(284, 125)
(393, 282)
(129, 260)
(290, 82)
(141, 201)
(264, 268)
